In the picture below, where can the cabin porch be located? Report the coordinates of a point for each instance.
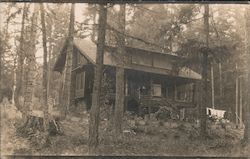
(145, 92)
(148, 92)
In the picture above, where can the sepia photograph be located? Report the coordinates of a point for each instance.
(125, 79)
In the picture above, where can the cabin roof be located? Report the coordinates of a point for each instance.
(88, 49)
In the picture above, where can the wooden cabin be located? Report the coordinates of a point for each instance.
(150, 77)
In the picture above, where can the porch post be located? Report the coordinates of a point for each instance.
(212, 84)
(151, 86)
(182, 114)
(175, 90)
(126, 84)
(151, 94)
(126, 91)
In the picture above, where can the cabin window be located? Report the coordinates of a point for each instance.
(80, 84)
(156, 90)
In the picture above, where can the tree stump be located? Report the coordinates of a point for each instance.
(34, 124)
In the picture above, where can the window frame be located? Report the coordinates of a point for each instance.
(154, 86)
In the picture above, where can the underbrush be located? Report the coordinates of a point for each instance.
(139, 137)
(177, 138)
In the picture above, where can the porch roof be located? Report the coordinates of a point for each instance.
(88, 49)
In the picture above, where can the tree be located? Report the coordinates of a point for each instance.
(9, 54)
(30, 66)
(67, 91)
(247, 107)
(1, 52)
(2, 48)
(57, 29)
(49, 39)
(19, 72)
(167, 25)
(119, 98)
(95, 108)
(45, 69)
(204, 72)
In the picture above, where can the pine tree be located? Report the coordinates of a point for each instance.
(45, 68)
(95, 108)
(119, 99)
(31, 63)
(67, 91)
(204, 73)
(247, 108)
(19, 71)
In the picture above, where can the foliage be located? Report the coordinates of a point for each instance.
(169, 28)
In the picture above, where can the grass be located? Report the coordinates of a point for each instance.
(181, 140)
(150, 138)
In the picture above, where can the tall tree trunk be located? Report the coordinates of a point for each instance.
(240, 101)
(247, 108)
(49, 58)
(19, 72)
(45, 68)
(93, 35)
(212, 84)
(14, 78)
(220, 80)
(14, 83)
(95, 108)
(236, 98)
(1, 52)
(31, 63)
(204, 74)
(49, 70)
(119, 98)
(67, 89)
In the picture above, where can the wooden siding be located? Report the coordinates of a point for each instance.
(145, 60)
(80, 84)
(160, 61)
(151, 60)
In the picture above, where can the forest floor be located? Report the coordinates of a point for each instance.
(173, 138)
